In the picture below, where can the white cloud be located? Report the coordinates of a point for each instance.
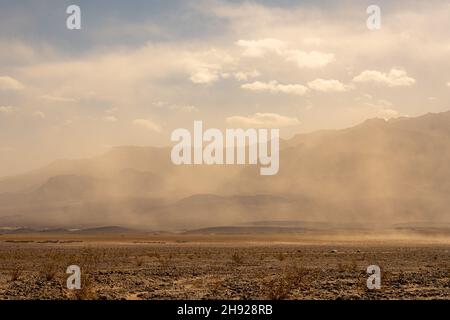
(160, 104)
(313, 59)
(53, 98)
(245, 76)
(183, 108)
(147, 124)
(188, 109)
(8, 83)
(369, 101)
(328, 85)
(263, 120)
(303, 59)
(259, 48)
(6, 109)
(381, 108)
(275, 87)
(204, 76)
(205, 67)
(395, 78)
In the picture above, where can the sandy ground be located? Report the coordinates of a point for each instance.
(223, 267)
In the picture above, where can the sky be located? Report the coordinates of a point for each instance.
(137, 70)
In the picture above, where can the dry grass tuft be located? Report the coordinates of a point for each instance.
(237, 259)
(139, 261)
(280, 288)
(87, 291)
(16, 273)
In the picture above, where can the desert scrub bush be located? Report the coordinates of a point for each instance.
(49, 271)
(276, 289)
(15, 274)
(281, 287)
(139, 261)
(295, 276)
(53, 263)
(89, 258)
(87, 290)
(154, 255)
(237, 258)
(164, 261)
(280, 256)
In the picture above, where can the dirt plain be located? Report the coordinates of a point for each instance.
(220, 267)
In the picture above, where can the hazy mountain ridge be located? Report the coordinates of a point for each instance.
(376, 173)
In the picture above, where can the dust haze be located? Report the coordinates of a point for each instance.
(377, 175)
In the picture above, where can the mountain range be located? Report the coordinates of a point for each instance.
(376, 174)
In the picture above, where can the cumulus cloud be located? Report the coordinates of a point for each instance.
(6, 109)
(147, 124)
(53, 98)
(380, 107)
(205, 67)
(10, 84)
(245, 76)
(275, 87)
(188, 109)
(328, 85)
(204, 76)
(259, 48)
(176, 107)
(263, 120)
(313, 59)
(129, 75)
(303, 59)
(395, 78)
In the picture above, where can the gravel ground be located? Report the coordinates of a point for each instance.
(31, 270)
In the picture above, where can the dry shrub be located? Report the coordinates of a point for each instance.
(277, 289)
(281, 256)
(164, 261)
(139, 261)
(49, 271)
(54, 263)
(154, 255)
(87, 290)
(280, 288)
(237, 258)
(295, 276)
(16, 273)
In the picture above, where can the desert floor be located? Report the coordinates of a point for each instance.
(223, 267)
